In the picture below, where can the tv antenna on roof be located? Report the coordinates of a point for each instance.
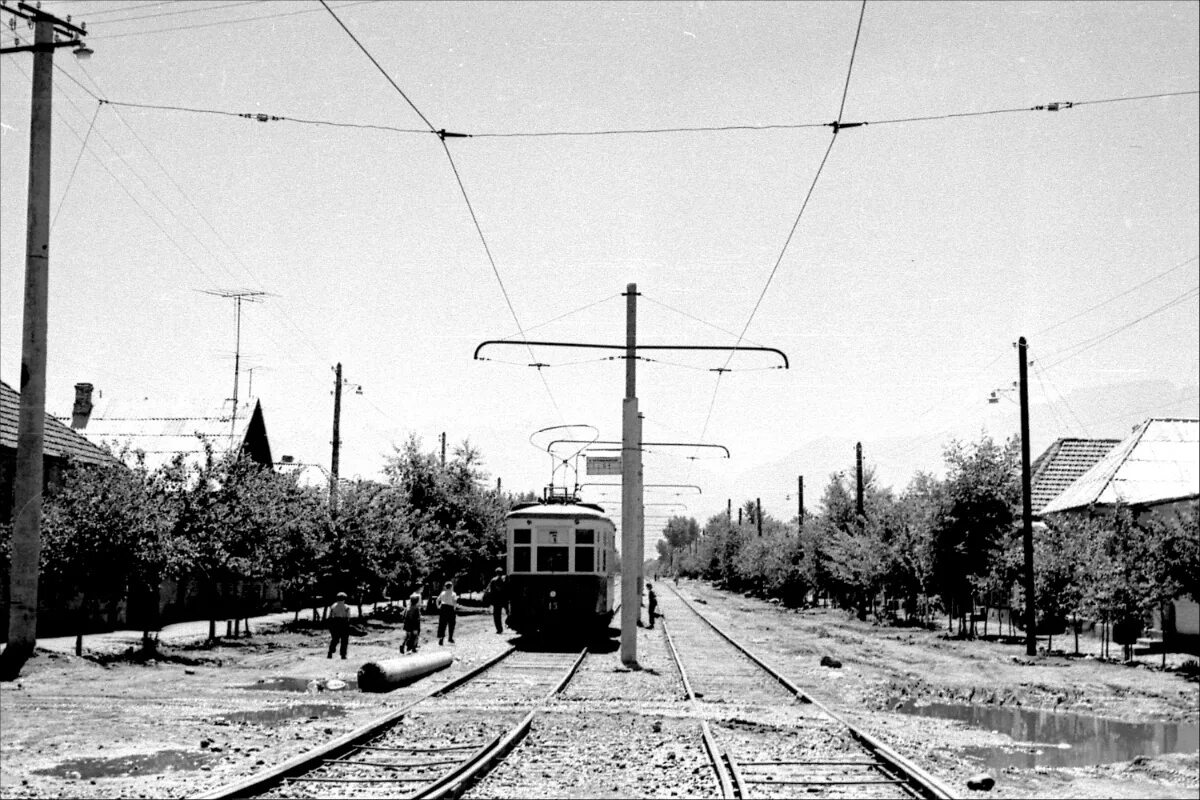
(238, 295)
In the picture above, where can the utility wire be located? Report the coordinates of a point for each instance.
(71, 177)
(224, 22)
(120, 8)
(1117, 297)
(698, 319)
(1088, 344)
(173, 13)
(382, 71)
(204, 218)
(562, 316)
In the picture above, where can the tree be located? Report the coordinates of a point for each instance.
(106, 532)
(982, 489)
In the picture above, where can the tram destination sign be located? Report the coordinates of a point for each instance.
(603, 465)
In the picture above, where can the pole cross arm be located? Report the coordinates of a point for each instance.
(643, 444)
(597, 346)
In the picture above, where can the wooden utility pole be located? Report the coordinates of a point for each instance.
(858, 493)
(337, 440)
(800, 504)
(758, 514)
(443, 448)
(1026, 504)
(631, 490)
(31, 418)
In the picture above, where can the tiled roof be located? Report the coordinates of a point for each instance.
(1157, 463)
(59, 442)
(1062, 464)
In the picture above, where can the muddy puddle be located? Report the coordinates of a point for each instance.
(270, 716)
(127, 766)
(1047, 739)
(302, 685)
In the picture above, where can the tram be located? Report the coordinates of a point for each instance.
(561, 566)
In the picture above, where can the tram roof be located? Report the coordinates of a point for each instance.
(558, 510)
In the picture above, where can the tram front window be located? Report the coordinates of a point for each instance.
(552, 559)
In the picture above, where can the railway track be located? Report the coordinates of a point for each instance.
(433, 747)
(780, 742)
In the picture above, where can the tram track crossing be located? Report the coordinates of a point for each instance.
(779, 741)
(433, 747)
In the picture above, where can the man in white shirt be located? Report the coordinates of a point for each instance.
(447, 603)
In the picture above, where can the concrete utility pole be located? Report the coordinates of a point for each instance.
(631, 489)
(800, 504)
(1026, 505)
(31, 420)
(858, 494)
(337, 440)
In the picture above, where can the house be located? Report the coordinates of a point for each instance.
(60, 445)
(1061, 465)
(160, 432)
(1155, 470)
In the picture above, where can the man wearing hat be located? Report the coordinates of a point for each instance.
(339, 625)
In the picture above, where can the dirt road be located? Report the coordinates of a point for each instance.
(202, 716)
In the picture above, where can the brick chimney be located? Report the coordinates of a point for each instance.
(83, 406)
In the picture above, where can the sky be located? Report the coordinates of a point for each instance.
(895, 263)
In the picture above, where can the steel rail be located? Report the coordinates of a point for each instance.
(269, 778)
(922, 782)
(710, 743)
(457, 780)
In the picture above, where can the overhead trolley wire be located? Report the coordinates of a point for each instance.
(378, 66)
(442, 134)
(267, 117)
(795, 224)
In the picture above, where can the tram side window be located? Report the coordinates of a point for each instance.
(584, 536)
(521, 536)
(552, 559)
(521, 559)
(585, 559)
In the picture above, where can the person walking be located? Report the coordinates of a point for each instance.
(651, 604)
(447, 603)
(339, 625)
(496, 593)
(412, 624)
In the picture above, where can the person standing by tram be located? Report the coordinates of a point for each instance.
(496, 594)
(447, 603)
